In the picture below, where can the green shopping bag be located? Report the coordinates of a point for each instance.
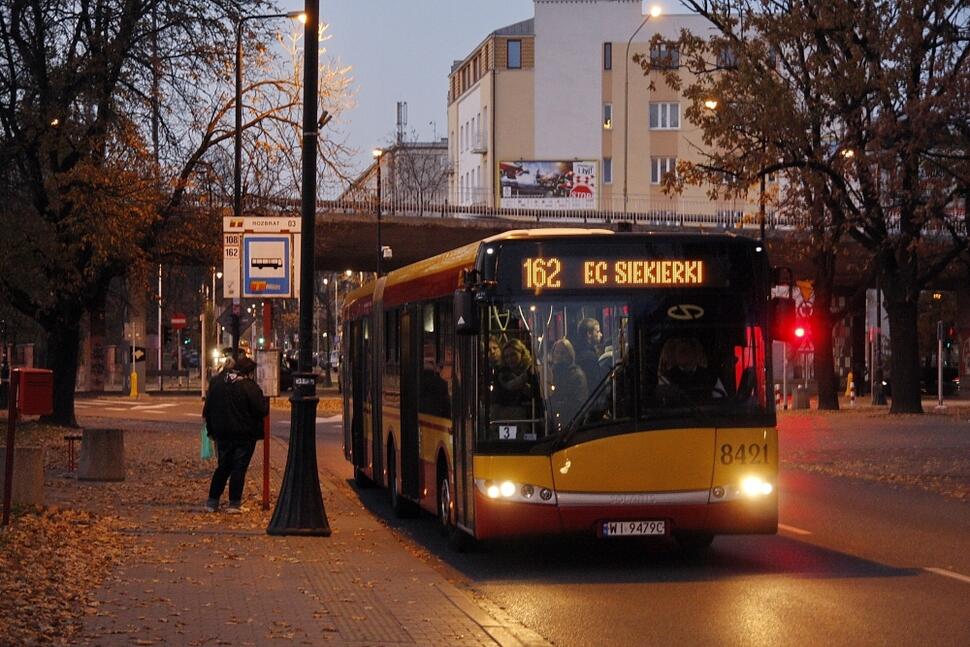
(205, 453)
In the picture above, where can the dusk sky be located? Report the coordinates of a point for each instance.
(402, 51)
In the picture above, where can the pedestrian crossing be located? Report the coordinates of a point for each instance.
(180, 408)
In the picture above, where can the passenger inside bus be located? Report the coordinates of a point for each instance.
(683, 365)
(515, 389)
(568, 389)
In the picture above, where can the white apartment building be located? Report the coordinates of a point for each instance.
(536, 114)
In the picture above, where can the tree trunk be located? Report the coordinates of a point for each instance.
(828, 398)
(63, 343)
(905, 354)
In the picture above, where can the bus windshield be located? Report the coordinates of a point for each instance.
(600, 365)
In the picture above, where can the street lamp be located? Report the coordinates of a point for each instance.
(380, 249)
(299, 507)
(654, 12)
(237, 141)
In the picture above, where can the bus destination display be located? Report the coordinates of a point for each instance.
(570, 273)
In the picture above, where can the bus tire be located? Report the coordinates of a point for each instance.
(445, 526)
(693, 544)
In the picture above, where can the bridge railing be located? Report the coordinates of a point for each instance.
(673, 213)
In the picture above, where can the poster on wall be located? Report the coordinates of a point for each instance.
(548, 185)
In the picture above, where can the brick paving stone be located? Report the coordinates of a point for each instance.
(222, 581)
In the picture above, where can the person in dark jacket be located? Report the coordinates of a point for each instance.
(568, 390)
(234, 411)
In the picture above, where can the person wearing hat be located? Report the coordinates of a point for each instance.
(234, 411)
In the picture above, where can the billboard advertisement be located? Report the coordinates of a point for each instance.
(548, 185)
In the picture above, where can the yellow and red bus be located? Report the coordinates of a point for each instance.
(569, 381)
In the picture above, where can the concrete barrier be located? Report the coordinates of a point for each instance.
(102, 455)
(28, 475)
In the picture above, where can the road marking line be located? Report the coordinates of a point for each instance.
(946, 573)
(115, 409)
(793, 530)
(331, 418)
(150, 407)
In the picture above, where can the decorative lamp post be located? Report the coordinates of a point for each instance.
(380, 248)
(654, 12)
(299, 507)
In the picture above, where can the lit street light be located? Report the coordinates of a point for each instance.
(237, 142)
(654, 12)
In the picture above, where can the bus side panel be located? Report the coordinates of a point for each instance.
(410, 365)
(345, 381)
(357, 372)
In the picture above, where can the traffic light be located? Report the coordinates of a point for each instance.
(167, 334)
(802, 332)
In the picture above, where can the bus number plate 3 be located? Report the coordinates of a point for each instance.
(634, 528)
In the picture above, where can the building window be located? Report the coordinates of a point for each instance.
(607, 170)
(665, 57)
(514, 54)
(608, 116)
(664, 116)
(727, 59)
(607, 56)
(661, 166)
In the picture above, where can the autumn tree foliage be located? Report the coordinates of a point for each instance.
(862, 109)
(115, 131)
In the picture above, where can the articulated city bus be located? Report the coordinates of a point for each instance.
(569, 381)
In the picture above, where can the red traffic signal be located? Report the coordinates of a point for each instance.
(799, 332)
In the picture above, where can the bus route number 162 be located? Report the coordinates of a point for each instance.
(540, 273)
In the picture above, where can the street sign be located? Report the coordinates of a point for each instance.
(231, 244)
(178, 321)
(271, 275)
(267, 265)
(245, 320)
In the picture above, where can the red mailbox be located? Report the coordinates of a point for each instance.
(35, 391)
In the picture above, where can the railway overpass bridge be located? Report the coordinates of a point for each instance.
(346, 232)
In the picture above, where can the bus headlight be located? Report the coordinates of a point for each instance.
(755, 486)
(512, 491)
(507, 489)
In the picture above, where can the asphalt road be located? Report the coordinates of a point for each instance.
(854, 563)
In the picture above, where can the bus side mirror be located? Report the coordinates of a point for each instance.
(466, 313)
(782, 319)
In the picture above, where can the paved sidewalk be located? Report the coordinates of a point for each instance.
(217, 579)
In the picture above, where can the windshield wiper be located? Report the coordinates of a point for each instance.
(594, 395)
